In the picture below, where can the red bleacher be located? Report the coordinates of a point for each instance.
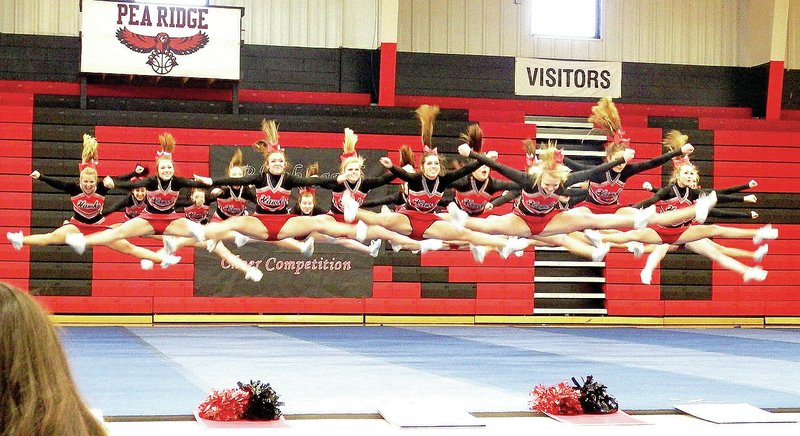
(744, 148)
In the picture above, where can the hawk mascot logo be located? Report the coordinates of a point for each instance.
(162, 47)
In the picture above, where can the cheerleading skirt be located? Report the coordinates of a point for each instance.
(159, 222)
(337, 216)
(88, 229)
(273, 223)
(669, 235)
(420, 222)
(537, 223)
(598, 209)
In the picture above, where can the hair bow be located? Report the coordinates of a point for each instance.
(681, 160)
(620, 138)
(531, 159)
(428, 150)
(307, 190)
(558, 156)
(91, 164)
(273, 147)
(164, 154)
(344, 156)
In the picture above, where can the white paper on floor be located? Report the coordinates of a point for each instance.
(738, 413)
(427, 415)
(618, 418)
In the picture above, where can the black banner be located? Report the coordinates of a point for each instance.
(332, 272)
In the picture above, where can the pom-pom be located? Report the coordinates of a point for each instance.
(263, 401)
(560, 399)
(593, 397)
(224, 405)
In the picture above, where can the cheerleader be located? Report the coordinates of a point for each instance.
(132, 205)
(417, 218)
(346, 197)
(757, 255)
(273, 185)
(198, 211)
(88, 199)
(537, 211)
(605, 187)
(398, 199)
(159, 216)
(306, 205)
(475, 195)
(678, 195)
(232, 201)
(200, 207)
(706, 247)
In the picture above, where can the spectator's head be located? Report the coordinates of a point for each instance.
(37, 394)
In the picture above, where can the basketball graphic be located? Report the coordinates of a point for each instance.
(162, 63)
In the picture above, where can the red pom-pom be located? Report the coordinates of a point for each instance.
(560, 399)
(224, 405)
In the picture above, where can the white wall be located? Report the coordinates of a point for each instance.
(304, 23)
(696, 32)
(40, 17)
(793, 36)
(661, 31)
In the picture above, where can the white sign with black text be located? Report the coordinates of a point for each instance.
(555, 78)
(160, 40)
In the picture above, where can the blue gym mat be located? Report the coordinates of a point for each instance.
(157, 371)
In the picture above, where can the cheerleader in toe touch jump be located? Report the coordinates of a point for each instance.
(159, 217)
(88, 199)
(417, 218)
(271, 220)
(537, 211)
(677, 195)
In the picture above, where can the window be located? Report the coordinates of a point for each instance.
(566, 18)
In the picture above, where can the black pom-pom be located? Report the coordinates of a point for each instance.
(594, 398)
(263, 401)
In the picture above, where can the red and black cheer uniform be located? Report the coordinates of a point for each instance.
(232, 202)
(472, 195)
(162, 196)
(424, 196)
(358, 191)
(272, 194)
(674, 197)
(129, 205)
(534, 205)
(198, 214)
(87, 208)
(605, 187)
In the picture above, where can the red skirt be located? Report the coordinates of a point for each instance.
(669, 235)
(88, 229)
(273, 222)
(159, 221)
(337, 216)
(600, 208)
(537, 223)
(420, 222)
